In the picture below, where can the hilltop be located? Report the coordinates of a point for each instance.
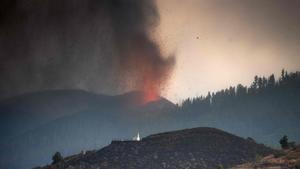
(191, 148)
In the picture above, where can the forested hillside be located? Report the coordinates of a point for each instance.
(265, 110)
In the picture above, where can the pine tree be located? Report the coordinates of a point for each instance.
(56, 158)
(284, 142)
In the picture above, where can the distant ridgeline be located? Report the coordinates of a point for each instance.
(34, 126)
(266, 110)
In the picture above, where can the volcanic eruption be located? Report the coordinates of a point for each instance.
(141, 61)
(146, 69)
(103, 46)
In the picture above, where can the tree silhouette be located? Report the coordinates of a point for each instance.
(284, 142)
(271, 81)
(56, 158)
(253, 106)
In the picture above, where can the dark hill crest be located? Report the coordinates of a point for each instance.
(191, 148)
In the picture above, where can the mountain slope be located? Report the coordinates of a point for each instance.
(191, 148)
(22, 113)
(99, 120)
(284, 159)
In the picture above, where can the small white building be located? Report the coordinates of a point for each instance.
(137, 137)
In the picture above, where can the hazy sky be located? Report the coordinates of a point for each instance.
(220, 43)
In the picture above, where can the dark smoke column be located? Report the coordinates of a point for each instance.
(140, 61)
(102, 46)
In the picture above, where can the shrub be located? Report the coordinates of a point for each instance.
(56, 158)
(284, 142)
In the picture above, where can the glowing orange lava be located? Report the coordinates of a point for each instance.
(150, 96)
(151, 90)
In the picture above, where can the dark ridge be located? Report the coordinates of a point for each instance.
(191, 148)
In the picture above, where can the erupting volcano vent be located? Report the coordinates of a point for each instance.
(153, 81)
(151, 91)
(141, 64)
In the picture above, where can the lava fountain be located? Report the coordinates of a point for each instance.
(153, 71)
(150, 90)
(140, 61)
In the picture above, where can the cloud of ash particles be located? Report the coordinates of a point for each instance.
(103, 46)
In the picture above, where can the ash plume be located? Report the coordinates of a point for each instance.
(103, 46)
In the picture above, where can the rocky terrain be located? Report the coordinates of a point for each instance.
(195, 148)
(285, 159)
